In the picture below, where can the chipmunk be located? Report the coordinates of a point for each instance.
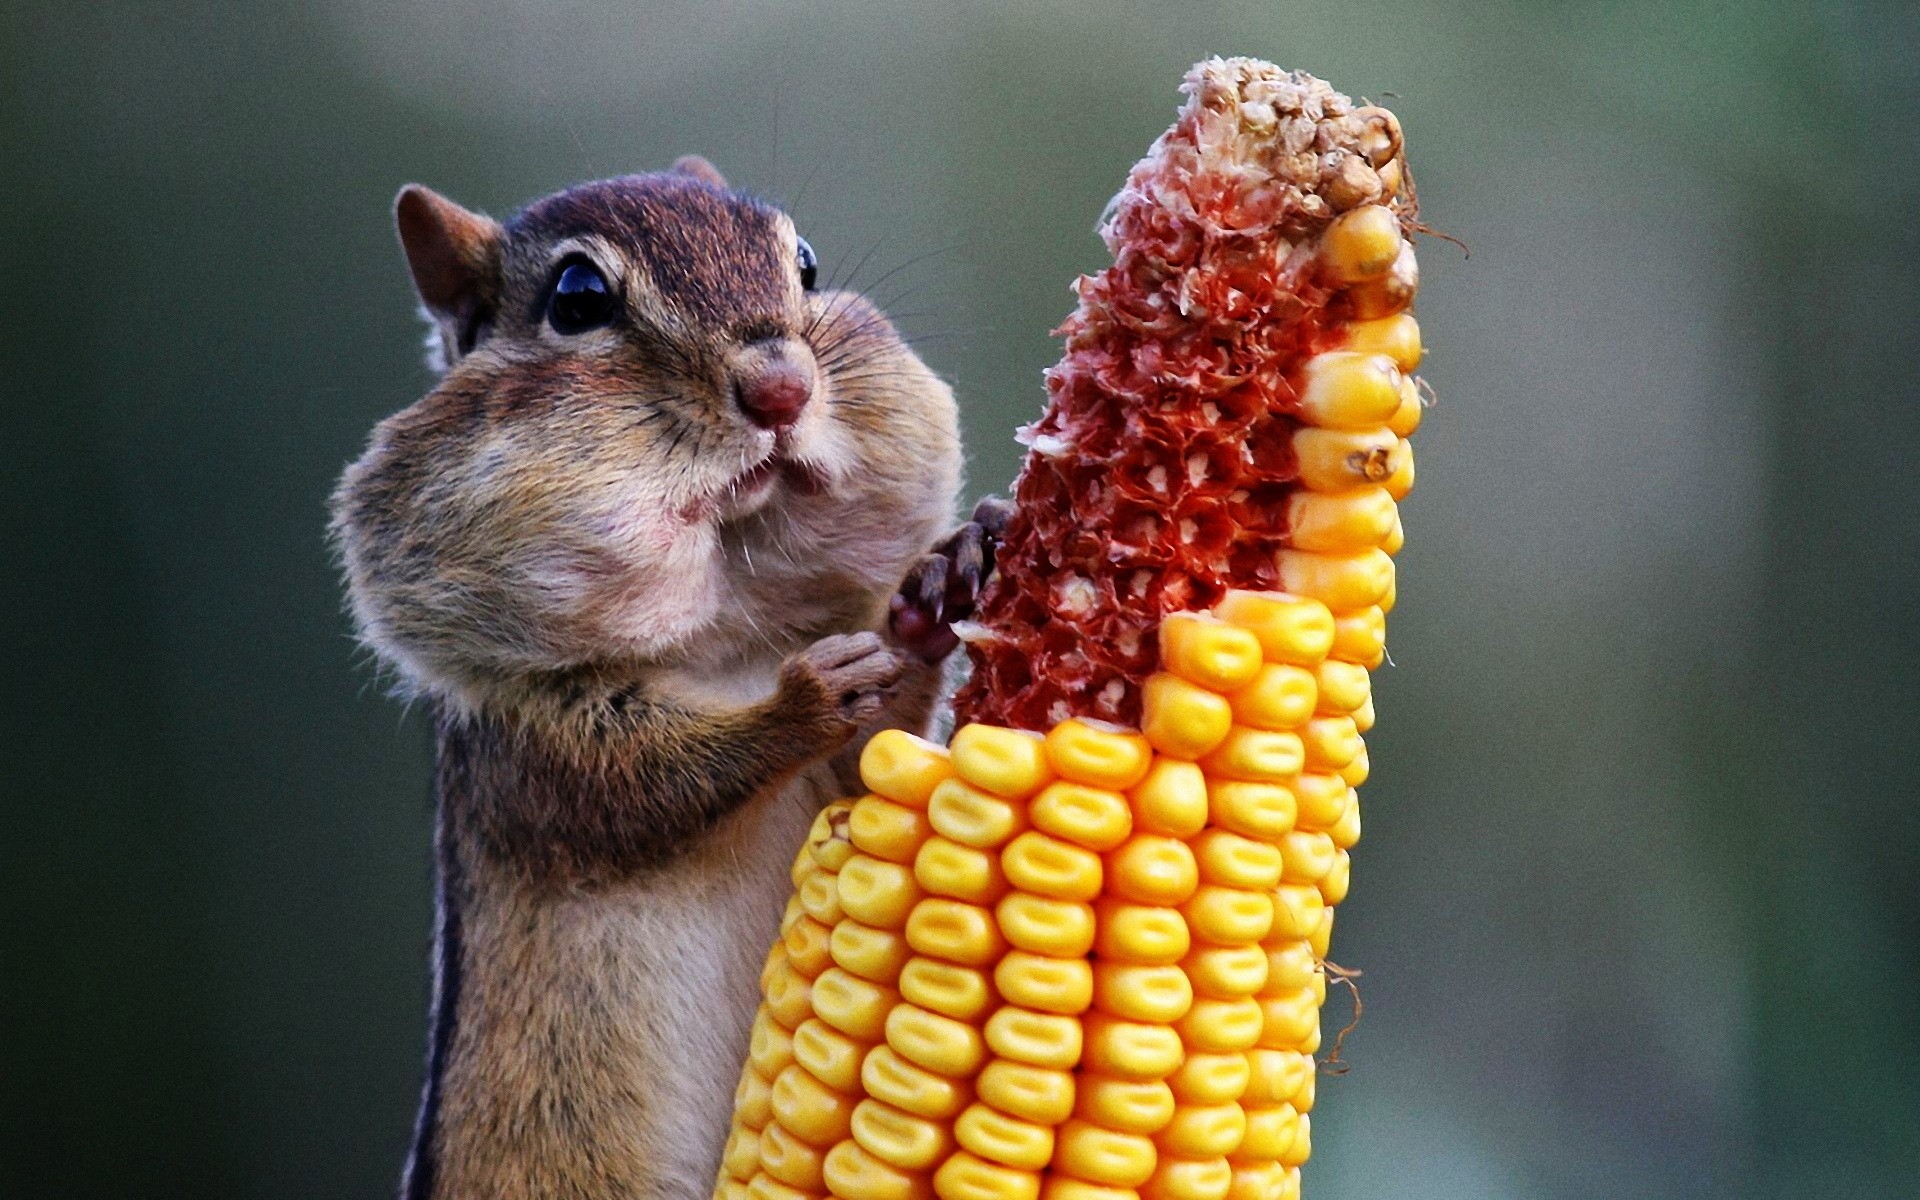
(659, 551)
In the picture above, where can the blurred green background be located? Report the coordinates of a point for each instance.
(1639, 904)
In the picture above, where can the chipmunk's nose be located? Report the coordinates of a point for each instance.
(772, 383)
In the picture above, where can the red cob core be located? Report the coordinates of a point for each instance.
(1157, 478)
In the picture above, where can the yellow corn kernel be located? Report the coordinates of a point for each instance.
(947, 868)
(1203, 1131)
(809, 1108)
(1037, 1038)
(856, 1007)
(787, 996)
(790, 1160)
(1060, 928)
(1256, 1179)
(938, 1043)
(888, 1076)
(1221, 1026)
(820, 896)
(1290, 966)
(1297, 910)
(1181, 719)
(966, 1176)
(1335, 461)
(973, 817)
(1277, 1075)
(902, 767)
(1342, 523)
(997, 1137)
(946, 988)
(741, 1157)
(955, 931)
(1188, 1179)
(1344, 687)
(1389, 293)
(900, 1139)
(875, 954)
(766, 1187)
(753, 1100)
(1208, 652)
(854, 1174)
(1281, 696)
(1400, 482)
(1086, 1151)
(1044, 1095)
(1406, 418)
(1288, 1022)
(1128, 1105)
(1228, 916)
(1345, 390)
(1235, 861)
(769, 1047)
(1302, 1147)
(1144, 933)
(877, 892)
(1152, 870)
(1044, 982)
(1211, 1078)
(1302, 1100)
(1096, 755)
(1048, 866)
(888, 830)
(1130, 1049)
(827, 844)
(1265, 811)
(1322, 935)
(1291, 629)
(1322, 799)
(1256, 755)
(829, 1055)
(1306, 856)
(1007, 762)
(1360, 636)
(1360, 244)
(1363, 716)
(1270, 1131)
(1397, 337)
(1086, 816)
(1066, 1187)
(805, 942)
(1346, 831)
(1141, 993)
(1340, 581)
(1395, 541)
(1227, 972)
(1171, 800)
(1333, 885)
(729, 1188)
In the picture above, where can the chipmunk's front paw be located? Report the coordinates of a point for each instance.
(944, 586)
(851, 674)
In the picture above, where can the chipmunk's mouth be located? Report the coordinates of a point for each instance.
(754, 487)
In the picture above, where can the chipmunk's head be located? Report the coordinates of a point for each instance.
(655, 440)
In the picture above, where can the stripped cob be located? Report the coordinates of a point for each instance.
(1088, 963)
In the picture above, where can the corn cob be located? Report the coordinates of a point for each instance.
(1079, 954)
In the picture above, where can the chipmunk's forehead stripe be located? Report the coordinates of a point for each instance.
(716, 255)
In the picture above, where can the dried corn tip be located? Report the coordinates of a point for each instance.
(1079, 953)
(1257, 293)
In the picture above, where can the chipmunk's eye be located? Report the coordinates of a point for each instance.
(581, 299)
(809, 265)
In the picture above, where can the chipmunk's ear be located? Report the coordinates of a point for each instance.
(699, 168)
(455, 257)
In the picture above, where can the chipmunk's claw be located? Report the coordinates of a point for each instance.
(944, 585)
